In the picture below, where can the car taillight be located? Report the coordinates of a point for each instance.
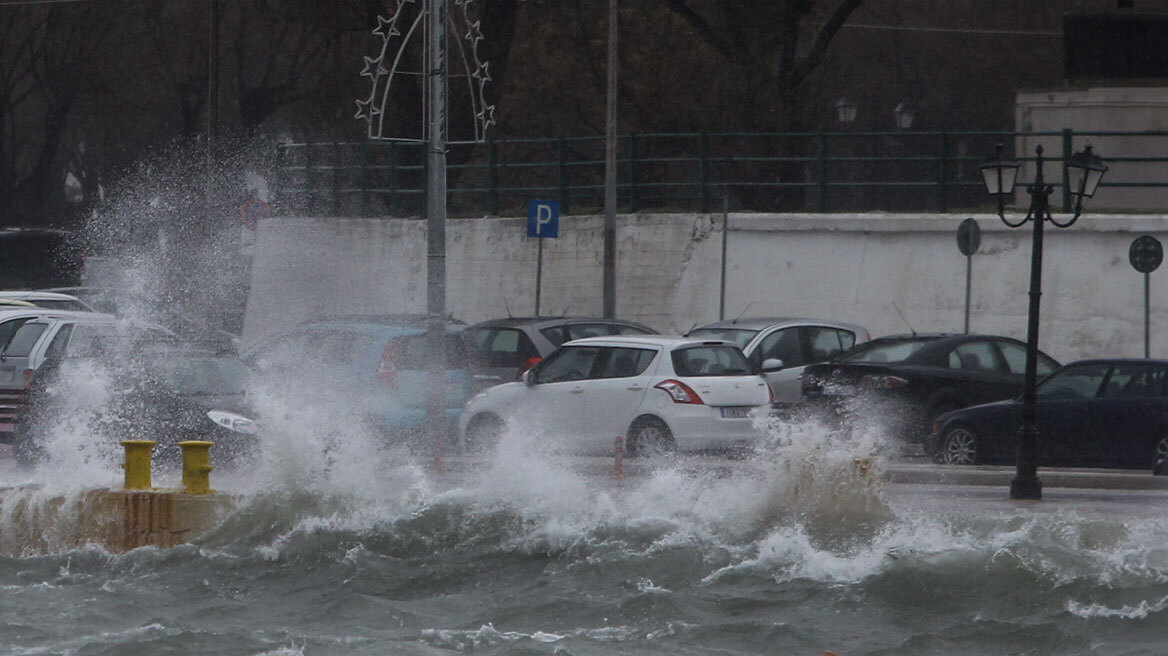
(883, 381)
(527, 364)
(679, 392)
(387, 365)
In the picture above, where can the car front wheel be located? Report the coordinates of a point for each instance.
(483, 433)
(649, 436)
(959, 447)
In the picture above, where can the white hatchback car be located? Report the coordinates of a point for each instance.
(658, 393)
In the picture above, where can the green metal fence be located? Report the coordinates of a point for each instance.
(901, 171)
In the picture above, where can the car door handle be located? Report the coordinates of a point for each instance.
(577, 390)
(635, 388)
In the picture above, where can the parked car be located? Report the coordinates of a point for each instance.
(48, 300)
(905, 381)
(796, 343)
(374, 368)
(22, 351)
(659, 393)
(1092, 413)
(159, 391)
(502, 349)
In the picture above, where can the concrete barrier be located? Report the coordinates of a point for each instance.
(118, 520)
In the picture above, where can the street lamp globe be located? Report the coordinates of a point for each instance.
(1085, 170)
(845, 111)
(904, 114)
(999, 174)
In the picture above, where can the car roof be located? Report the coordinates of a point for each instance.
(37, 296)
(759, 323)
(664, 341)
(1155, 361)
(36, 312)
(411, 320)
(545, 321)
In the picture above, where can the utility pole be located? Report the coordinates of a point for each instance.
(610, 170)
(436, 225)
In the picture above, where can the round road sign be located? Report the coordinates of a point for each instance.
(968, 237)
(1146, 254)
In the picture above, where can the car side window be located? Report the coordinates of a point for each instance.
(555, 335)
(626, 362)
(567, 364)
(1015, 357)
(827, 342)
(1133, 381)
(973, 356)
(57, 346)
(503, 347)
(784, 345)
(1078, 382)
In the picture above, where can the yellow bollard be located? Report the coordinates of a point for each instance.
(196, 475)
(137, 464)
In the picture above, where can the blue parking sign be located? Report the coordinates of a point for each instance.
(543, 218)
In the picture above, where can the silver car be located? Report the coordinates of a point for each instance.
(796, 343)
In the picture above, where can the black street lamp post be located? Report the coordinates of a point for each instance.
(1085, 169)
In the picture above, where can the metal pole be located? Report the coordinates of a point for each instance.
(968, 288)
(610, 170)
(436, 223)
(725, 226)
(538, 271)
(212, 82)
(1147, 315)
(1026, 484)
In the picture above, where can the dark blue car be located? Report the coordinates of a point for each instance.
(1092, 413)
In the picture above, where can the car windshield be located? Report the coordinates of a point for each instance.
(710, 360)
(740, 336)
(186, 374)
(893, 350)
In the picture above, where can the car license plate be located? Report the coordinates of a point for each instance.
(737, 412)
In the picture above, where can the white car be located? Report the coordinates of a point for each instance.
(658, 393)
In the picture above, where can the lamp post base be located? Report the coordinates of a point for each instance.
(1026, 488)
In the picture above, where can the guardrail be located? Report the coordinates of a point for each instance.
(793, 172)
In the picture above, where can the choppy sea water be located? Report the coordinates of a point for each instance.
(362, 550)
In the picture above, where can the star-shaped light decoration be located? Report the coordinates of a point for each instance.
(476, 72)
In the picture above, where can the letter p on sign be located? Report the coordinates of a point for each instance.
(543, 218)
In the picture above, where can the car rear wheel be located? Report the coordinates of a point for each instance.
(959, 446)
(1160, 458)
(649, 436)
(483, 432)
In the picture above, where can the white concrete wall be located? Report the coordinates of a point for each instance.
(856, 268)
(1101, 109)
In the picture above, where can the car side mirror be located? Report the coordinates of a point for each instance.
(529, 378)
(771, 364)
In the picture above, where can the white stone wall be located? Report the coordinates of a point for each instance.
(857, 268)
